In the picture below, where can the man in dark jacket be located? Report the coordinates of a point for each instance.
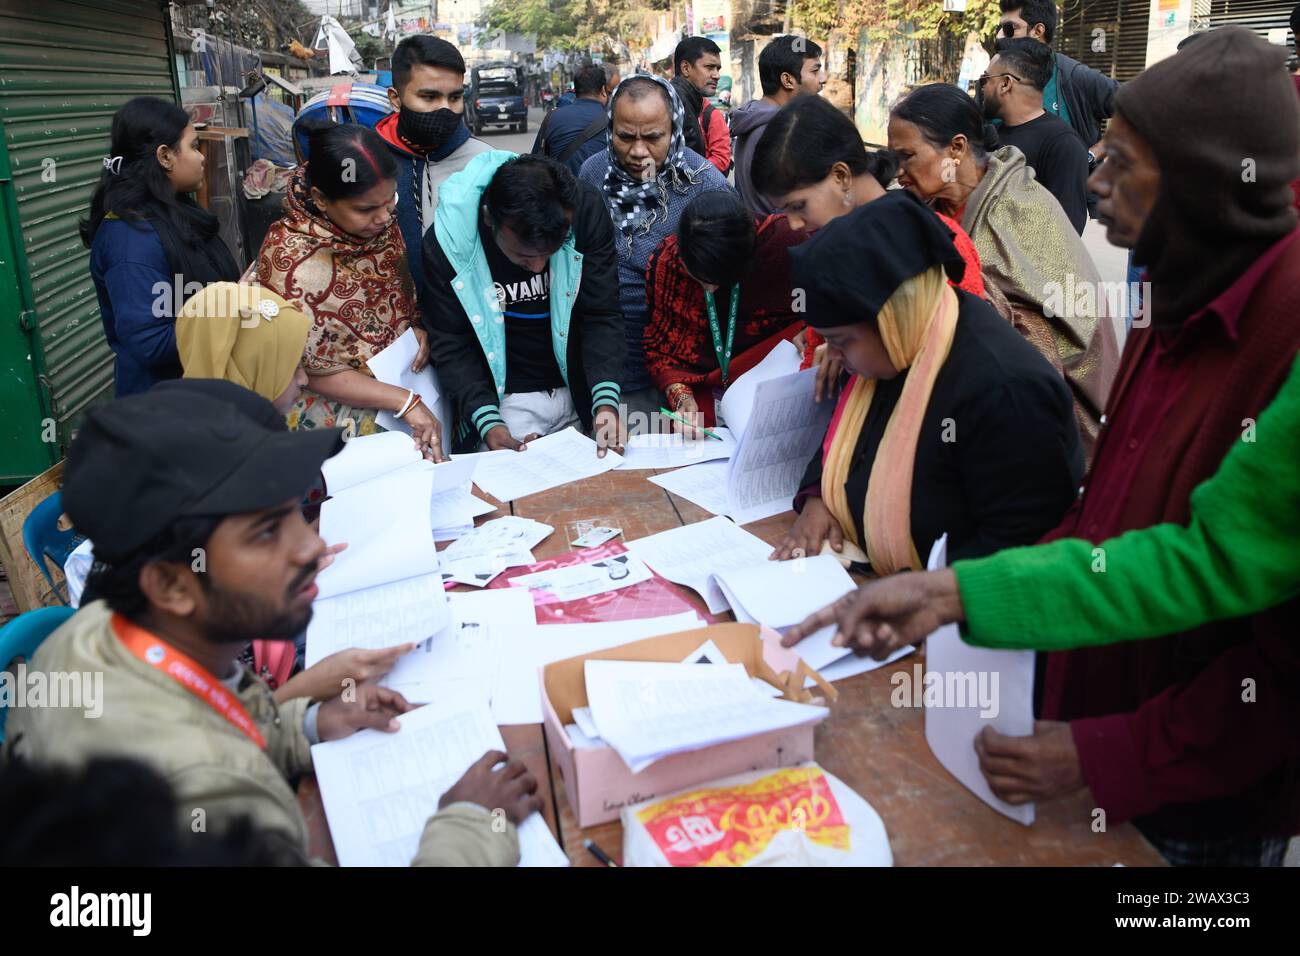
(426, 133)
(521, 303)
(787, 67)
(572, 133)
(1077, 94)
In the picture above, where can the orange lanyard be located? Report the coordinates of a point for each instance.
(187, 672)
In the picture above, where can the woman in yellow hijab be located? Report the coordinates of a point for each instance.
(950, 421)
(244, 334)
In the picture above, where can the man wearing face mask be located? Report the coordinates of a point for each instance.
(426, 133)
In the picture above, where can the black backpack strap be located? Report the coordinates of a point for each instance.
(594, 129)
(539, 146)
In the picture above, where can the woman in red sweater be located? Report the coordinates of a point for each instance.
(720, 299)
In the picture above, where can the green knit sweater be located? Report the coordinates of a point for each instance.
(1239, 555)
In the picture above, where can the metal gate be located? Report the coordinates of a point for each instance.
(65, 68)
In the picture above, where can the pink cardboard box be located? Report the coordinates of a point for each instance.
(598, 782)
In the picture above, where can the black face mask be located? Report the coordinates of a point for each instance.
(429, 130)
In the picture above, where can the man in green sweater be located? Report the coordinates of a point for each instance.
(1237, 556)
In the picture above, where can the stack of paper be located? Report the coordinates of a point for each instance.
(779, 427)
(481, 554)
(577, 581)
(692, 554)
(546, 463)
(584, 734)
(648, 710)
(665, 451)
(780, 594)
(523, 652)
(379, 789)
(384, 589)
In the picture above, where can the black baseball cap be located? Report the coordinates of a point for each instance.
(143, 461)
(245, 399)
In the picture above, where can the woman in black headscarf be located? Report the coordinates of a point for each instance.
(151, 246)
(950, 422)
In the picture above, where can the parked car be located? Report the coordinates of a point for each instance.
(496, 99)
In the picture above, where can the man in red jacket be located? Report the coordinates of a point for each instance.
(697, 64)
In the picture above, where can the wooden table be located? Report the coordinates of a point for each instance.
(874, 747)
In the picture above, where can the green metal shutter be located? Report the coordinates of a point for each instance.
(65, 68)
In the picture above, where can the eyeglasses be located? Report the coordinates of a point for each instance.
(1007, 29)
(984, 78)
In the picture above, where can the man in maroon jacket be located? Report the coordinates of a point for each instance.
(1194, 737)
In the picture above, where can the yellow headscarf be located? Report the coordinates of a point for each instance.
(246, 334)
(917, 326)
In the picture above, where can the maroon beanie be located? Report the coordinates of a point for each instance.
(1223, 120)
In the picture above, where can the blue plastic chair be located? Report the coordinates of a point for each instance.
(21, 636)
(43, 539)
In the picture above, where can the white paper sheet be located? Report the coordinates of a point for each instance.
(692, 554)
(582, 717)
(1002, 683)
(581, 741)
(673, 451)
(784, 430)
(420, 678)
(648, 710)
(478, 556)
(392, 366)
(738, 400)
(704, 485)
(517, 698)
(781, 594)
(379, 789)
(367, 456)
(385, 524)
(577, 581)
(385, 615)
(549, 462)
(464, 653)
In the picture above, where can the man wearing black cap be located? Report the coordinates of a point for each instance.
(193, 505)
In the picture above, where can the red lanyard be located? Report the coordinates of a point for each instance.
(187, 672)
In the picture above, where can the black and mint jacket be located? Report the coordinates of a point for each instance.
(466, 324)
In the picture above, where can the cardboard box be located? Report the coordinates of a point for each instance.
(599, 784)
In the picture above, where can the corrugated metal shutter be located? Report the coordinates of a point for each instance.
(1258, 15)
(65, 68)
(1125, 26)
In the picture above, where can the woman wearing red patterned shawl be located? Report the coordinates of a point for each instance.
(719, 298)
(338, 255)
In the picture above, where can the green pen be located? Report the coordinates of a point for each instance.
(678, 418)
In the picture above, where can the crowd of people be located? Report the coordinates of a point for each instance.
(937, 285)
